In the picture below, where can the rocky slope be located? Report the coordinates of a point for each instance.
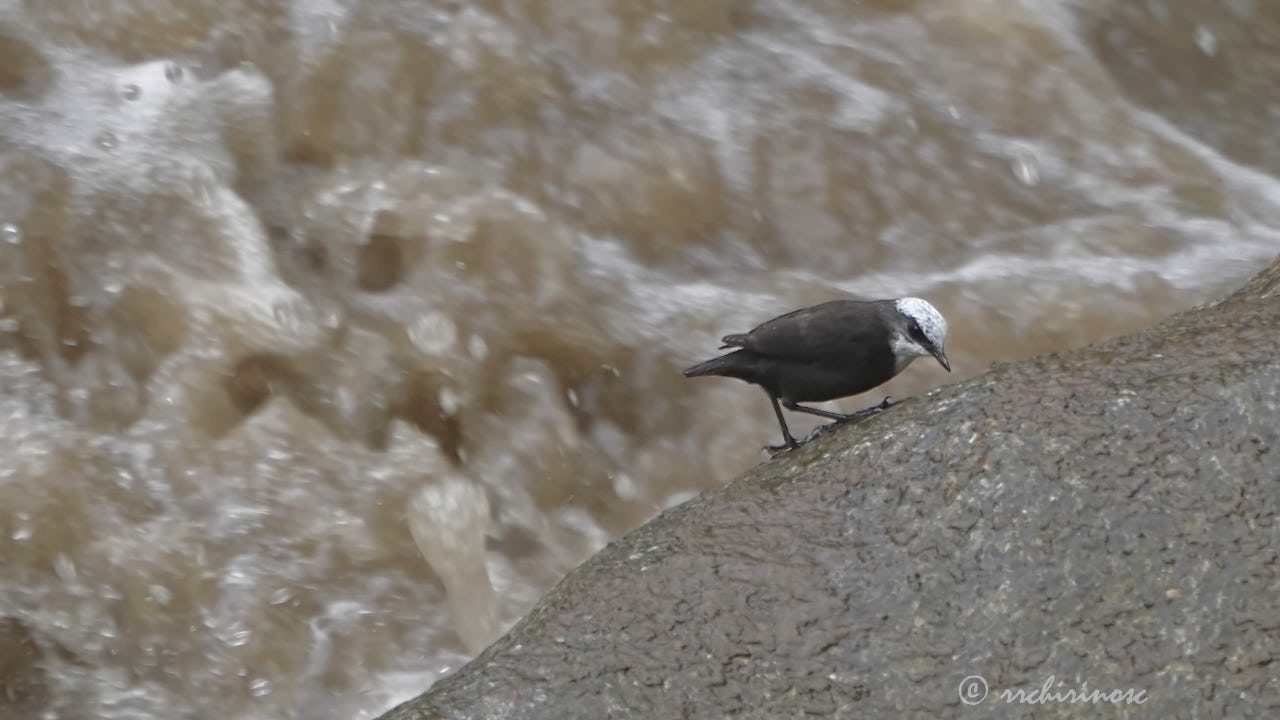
(1103, 518)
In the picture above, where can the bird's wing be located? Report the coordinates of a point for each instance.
(832, 329)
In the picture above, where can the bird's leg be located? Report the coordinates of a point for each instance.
(815, 411)
(865, 412)
(782, 422)
(839, 417)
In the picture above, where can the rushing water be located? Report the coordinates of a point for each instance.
(332, 333)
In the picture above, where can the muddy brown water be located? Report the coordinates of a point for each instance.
(332, 333)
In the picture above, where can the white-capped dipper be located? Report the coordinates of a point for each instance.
(829, 351)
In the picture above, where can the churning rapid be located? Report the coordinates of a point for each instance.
(333, 332)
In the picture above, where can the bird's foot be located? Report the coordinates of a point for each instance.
(775, 449)
(868, 412)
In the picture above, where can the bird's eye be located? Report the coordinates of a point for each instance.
(914, 328)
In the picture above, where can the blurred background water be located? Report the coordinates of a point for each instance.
(332, 333)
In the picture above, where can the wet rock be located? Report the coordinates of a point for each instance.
(1100, 519)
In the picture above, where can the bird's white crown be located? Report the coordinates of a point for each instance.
(931, 322)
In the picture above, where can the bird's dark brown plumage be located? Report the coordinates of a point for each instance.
(824, 352)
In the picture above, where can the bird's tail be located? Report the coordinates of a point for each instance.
(714, 366)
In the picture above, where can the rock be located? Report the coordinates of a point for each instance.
(1102, 519)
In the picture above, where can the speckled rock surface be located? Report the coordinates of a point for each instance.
(1105, 517)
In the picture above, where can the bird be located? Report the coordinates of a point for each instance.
(832, 350)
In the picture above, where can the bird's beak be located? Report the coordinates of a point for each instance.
(942, 358)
